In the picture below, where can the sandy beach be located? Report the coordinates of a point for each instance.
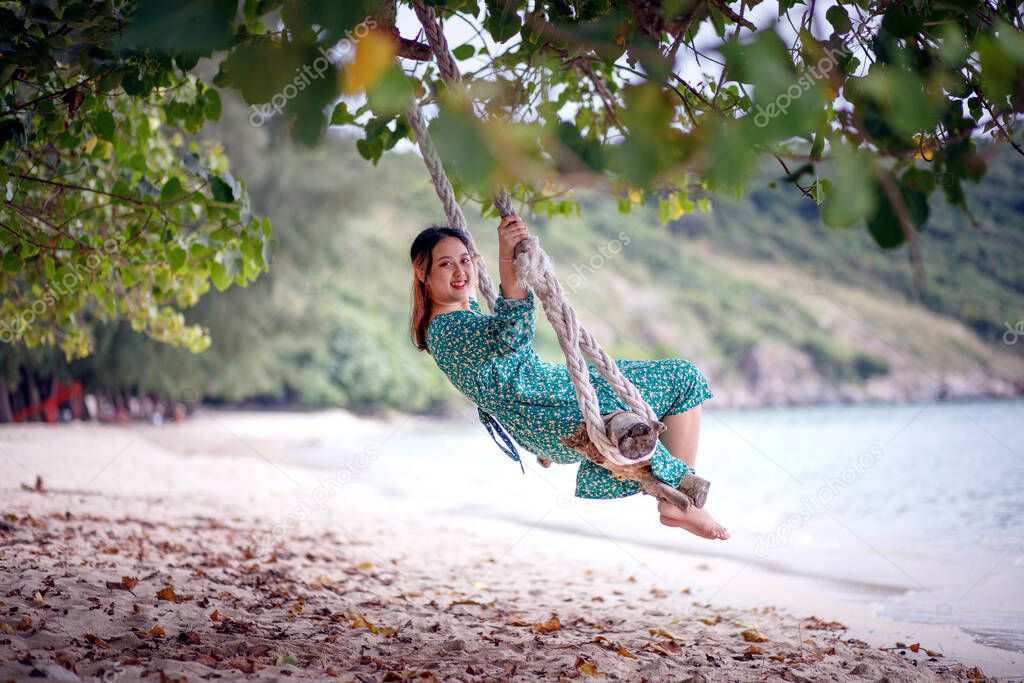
(196, 551)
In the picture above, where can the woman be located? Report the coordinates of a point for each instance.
(491, 360)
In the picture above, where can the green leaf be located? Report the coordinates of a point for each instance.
(840, 20)
(502, 20)
(341, 115)
(885, 226)
(820, 190)
(189, 26)
(177, 258)
(852, 196)
(391, 94)
(786, 5)
(466, 154)
(219, 277)
(104, 126)
(220, 190)
(11, 263)
(901, 21)
(211, 104)
(172, 190)
(664, 211)
(464, 51)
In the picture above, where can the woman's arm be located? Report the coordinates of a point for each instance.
(511, 230)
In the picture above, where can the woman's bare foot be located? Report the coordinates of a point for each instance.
(695, 520)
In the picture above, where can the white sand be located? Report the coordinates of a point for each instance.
(270, 585)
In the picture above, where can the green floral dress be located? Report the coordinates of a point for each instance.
(490, 359)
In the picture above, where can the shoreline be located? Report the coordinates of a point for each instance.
(106, 471)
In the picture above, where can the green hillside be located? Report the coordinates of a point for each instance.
(772, 305)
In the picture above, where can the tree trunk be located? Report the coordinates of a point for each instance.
(6, 414)
(33, 393)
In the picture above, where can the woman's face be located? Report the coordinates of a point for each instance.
(452, 276)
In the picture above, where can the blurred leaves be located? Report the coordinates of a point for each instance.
(124, 220)
(103, 97)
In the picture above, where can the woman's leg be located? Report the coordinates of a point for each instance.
(681, 439)
(682, 435)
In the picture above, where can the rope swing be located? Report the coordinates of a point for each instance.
(621, 441)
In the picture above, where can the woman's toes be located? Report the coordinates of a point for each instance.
(697, 521)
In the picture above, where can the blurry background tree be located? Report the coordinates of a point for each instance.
(109, 211)
(875, 113)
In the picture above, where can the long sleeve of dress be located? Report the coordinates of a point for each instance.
(512, 324)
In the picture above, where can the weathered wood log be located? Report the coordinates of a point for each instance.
(637, 439)
(634, 437)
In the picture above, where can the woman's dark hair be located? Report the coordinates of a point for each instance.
(422, 256)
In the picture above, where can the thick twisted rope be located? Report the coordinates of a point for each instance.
(534, 269)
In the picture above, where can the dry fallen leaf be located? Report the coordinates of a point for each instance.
(753, 650)
(914, 647)
(611, 645)
(25, 623)
(360, 622)
(712, 622)
(813, 622)
(623, 652)
(189, 638)
(551, 625)
(127, 583)
(38, 599)
(588, 668)
(97, 641)
(243, 664)
(660, 649)
(157, 631)
(663, 632)
(167, 593)
(751, 635)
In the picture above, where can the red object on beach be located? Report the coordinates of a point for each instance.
(48, 407)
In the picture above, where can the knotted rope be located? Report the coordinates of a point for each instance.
(533, 269)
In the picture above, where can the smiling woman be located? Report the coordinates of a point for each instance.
(490, 359)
